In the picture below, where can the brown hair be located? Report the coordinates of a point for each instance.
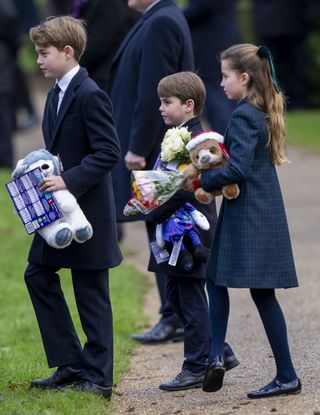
(60, 32)
(184, 85)
(262, 93)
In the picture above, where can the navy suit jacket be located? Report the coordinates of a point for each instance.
(86, 141)
(158, 45)
(252, 247)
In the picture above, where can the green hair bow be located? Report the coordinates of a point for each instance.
(264, 52)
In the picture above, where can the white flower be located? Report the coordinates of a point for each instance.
(174, 143)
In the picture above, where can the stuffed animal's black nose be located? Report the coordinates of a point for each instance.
(204, 159)
(45, 166)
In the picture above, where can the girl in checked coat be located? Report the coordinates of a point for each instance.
(252, 246)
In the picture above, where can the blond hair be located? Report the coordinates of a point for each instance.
(184, 85)
(263, 93)
(60, 32)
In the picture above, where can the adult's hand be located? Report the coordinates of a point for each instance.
(134, 161)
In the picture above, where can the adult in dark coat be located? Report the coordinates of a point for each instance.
(158, 45)
(282, 26)
(24, 105)
(214, 27)
(85, 138)
(8, 53)
(107, 22)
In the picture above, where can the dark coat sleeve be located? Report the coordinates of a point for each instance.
(103, 140)
(164, 211)
(243, 136)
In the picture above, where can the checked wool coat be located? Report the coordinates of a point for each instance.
(252, 247)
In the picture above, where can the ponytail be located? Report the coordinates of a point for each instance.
(263, 91)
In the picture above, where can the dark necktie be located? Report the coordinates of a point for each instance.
(53, 106)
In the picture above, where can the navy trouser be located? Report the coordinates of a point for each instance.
(187, 297)
(168, 316)
(60, 340)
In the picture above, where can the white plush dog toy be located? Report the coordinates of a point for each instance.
(73, 225)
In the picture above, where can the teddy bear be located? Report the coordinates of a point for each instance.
(207, 151)
(73, 225)
(180, 230)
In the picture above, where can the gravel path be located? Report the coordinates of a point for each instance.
(138, 391)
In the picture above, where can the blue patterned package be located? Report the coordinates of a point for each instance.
(36, 209)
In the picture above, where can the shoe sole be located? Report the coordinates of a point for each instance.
(175, 389)
(294, 392)
(213, 379)
(173, 340)
(53, 386)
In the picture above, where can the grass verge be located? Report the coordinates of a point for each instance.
(303, 129)
(21, 353)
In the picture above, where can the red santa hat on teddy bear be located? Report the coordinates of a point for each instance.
(204, 135)
(208, 135)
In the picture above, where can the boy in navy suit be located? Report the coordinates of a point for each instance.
(80, 129)
(182, 97)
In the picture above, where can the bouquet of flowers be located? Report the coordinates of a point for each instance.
(152, 188)
(173, 146)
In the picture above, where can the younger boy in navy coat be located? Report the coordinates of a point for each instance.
(182, 98)
(81, 131)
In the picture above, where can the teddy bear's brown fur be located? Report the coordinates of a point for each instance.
(208, 155)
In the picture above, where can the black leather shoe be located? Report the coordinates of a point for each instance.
(62, 376)
(213, 378)
(160, 333)
(87, 386)
(184, 380)
(275, 388)
(230, 360)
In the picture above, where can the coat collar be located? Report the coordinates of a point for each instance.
(191, 124)
(143, 18)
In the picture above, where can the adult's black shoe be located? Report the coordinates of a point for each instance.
(213, 378)
(230, 360)
(62, 376)
(275, 388)
(160, 333)
(87, 386)
(184, 380)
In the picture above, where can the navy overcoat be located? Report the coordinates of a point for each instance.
(86, 141)
(158, 45)
(252, 247)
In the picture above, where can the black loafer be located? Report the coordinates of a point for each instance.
(230, 360)
(62, 376)
(275, 388)
(160, 333)
(213, 378)
(87, 386)
(184, 380)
